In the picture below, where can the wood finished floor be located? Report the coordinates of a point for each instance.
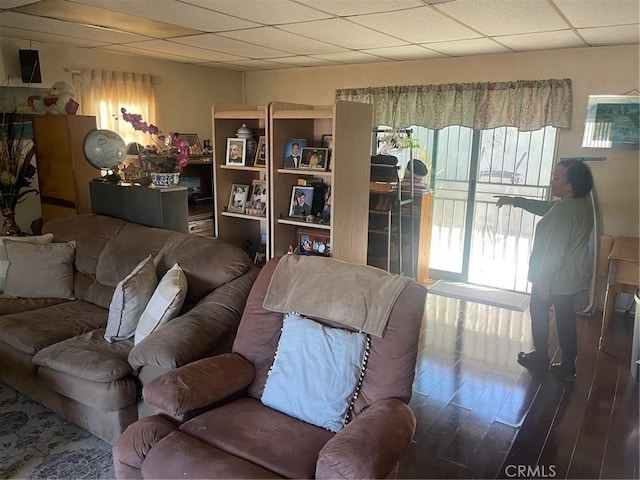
(481, 415)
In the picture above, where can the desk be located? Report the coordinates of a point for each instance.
(623, 277)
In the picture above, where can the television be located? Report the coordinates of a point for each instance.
(613, 121)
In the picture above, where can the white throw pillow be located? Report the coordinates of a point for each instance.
(165, 303)
(316, 372)
(129, 301)
(4, 261)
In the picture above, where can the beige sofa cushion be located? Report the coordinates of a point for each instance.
(129, 301)
(88, 356)
(4, 261)
(40, 270)
(32, 331)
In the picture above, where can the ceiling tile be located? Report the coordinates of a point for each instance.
(590, 14)
(627, 34)
(541, 41)
(47, 37)
(123, 49)
(504, 17)
(184, 50)
(229, 45)
(407, 52)
(282, 40)
(15, 3)
(271, 12)
(359, 7)
(417, 25)
(461, 48)
(303, 61)
(60, 27)
(351, 57)
(344, 33)
(183, 14)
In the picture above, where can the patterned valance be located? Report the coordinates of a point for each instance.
(526, 104)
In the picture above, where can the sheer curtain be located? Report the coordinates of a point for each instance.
(103, 93)
(525, 104)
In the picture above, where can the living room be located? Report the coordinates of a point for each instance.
(187, 92)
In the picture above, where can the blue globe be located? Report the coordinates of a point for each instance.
(104, 149)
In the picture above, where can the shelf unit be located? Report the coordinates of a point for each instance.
(350, 125)
(234, 228)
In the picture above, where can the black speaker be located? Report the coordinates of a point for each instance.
(30, 66)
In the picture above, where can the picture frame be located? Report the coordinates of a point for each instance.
(293, 152)
(314, 158)
(311, 241)
(261, 153)
(238, 198)
(257, 205)
(300, 206)
(612, 122)
(195, 148)
(327, 142)
(236, 151)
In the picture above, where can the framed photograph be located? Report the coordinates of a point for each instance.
(261, 153)
(238, 198)
(257, 204)
(327, 142)
(293, 152)
(195, 148)
(314, 158)
(301, 200)
(236, 151)
(612, 122)
(310, 241)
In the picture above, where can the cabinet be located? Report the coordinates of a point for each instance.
(63, 171)
(154, 207)
(400, 231)
(350, 125)
(241, 229)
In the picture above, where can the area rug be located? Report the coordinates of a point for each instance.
(35, 443)
(479, 294)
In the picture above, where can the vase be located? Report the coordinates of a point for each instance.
(9, 227)
(165, 179)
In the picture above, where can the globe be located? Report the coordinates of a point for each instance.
(104, 149)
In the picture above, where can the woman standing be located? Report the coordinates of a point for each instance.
(559, 263)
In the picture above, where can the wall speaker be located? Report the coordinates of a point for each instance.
(30, 66)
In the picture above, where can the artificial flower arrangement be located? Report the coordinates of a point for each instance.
(173, 152)
(16, 170)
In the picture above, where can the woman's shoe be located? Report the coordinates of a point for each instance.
(564, 371)
(533, 360)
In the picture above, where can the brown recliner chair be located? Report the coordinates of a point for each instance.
(211, 422)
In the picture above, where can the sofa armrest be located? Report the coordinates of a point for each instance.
(212, 322)
(371, 445)
(199, 384)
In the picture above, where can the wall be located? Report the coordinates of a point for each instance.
(594, 71)
(185, 94)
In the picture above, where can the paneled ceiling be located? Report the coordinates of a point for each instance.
(249, 35)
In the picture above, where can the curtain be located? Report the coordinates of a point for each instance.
(104, 92)
(525, 104)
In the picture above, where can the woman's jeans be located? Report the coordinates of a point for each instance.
(565, 325)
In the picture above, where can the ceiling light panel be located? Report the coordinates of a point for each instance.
(418, 25)
(282, 40)
(60, 27)
(345, 34)
(358, 7)
(505, 17)
(591, 14)
(186, 15)
(268, 12)
(229, 45)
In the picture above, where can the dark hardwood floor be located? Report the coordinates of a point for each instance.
(481, 415)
